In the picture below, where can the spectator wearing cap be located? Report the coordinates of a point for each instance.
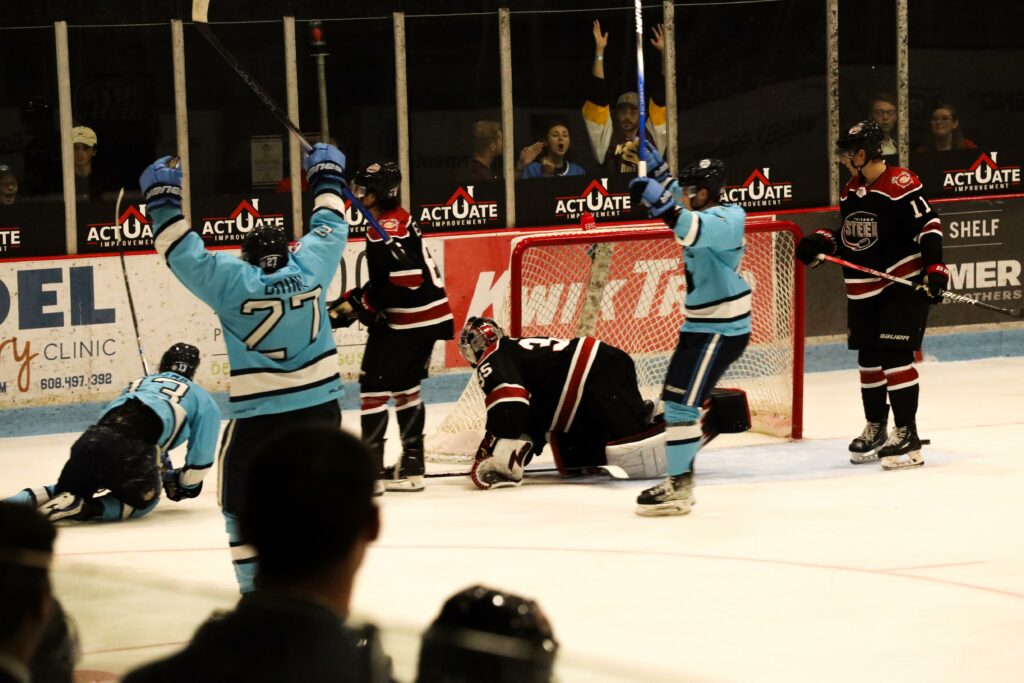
(84, 139)
(8, 185)
(611, 130)
(293, 626)
(26, 599)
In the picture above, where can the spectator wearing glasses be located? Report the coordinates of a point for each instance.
(945, 131)
(883, 112)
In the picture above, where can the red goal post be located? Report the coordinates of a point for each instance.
(625, 285)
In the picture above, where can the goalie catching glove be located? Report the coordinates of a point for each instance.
(352, 306)
(499, 463)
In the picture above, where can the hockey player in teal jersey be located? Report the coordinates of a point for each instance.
(127, 451)
(717, 324)
(270, 302)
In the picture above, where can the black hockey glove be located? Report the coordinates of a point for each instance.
(936, 278)
(818, 242)
(354, 305)
(174, 490)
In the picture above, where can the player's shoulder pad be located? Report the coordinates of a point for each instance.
(897, 182)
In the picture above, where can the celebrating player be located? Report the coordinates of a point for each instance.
(126, 452)
(717, 325)
(889, 226)
(406, 310)
(284, 366)
(579, 395)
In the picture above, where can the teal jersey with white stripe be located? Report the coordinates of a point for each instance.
(186, 411)
(275, 325)
(717, 296)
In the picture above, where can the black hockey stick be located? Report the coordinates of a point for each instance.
(127, 286)
(200, 9)
(946, 294)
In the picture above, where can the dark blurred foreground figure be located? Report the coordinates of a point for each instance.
(292, 627)
(37, 642)
(487, 635)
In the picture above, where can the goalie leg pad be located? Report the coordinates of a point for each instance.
(642, 456)
(499, 462)
(726, 412)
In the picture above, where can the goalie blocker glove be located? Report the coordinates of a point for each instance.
(500, 462)
(161, 184)
(818, 242)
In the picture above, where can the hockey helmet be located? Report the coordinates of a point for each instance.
(478, 335)
(382, 179)
(484, 634)
(706, 173)
(180, 358)
(267, 247)
(866, 135)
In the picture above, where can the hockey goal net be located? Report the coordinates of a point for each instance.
(626, 286)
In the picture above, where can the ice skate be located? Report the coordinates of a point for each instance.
(63, 506)
(674, 496)
(902, 450)
(864, 448)
(406, 474)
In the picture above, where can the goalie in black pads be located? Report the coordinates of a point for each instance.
(405, 310)
(580, 395)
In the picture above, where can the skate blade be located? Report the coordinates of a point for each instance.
(673, 508)
(891, 463)
(863, 458)
(407, 485)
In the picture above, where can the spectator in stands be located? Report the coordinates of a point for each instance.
(610, 130)
(487, 146)
(883, 112)
(26, 599)
(547, 158)
(487, 635)
(8, 185)
(86, 186)
(945, 131)
(292, 627)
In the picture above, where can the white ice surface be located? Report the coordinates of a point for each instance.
(794, 565)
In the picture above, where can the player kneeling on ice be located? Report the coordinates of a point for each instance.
(126, 451)
(580, 395)
(717, 324)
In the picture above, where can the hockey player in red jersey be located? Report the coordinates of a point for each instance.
(887, 225)
(580, 395)
(406, 310)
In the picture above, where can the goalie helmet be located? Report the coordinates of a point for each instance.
(866, 135)
(706, 173)
(266, 247)
(478, 335)
(487, 635)
(181, 358)
(382, 180)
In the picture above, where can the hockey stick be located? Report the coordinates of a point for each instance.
(613, 471)
(947, 295)
(200, 9)
(641, 165)
(127, 286)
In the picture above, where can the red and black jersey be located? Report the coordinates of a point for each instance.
(534, 385)
(412, 298)
(887, 225)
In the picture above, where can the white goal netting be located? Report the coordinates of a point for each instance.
(626, 286)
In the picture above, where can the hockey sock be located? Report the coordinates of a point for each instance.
(683, 435)
(410, 412)
(243, 556)
(902, 382)
(373, 418)
(112, 509)
(872, 387)
(34, 497)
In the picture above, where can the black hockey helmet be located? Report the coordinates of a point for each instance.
(181, 358)
(483, 634)
(706, 173)
(866, 135)
(267, 247)
(478, 335)
(382, 179)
